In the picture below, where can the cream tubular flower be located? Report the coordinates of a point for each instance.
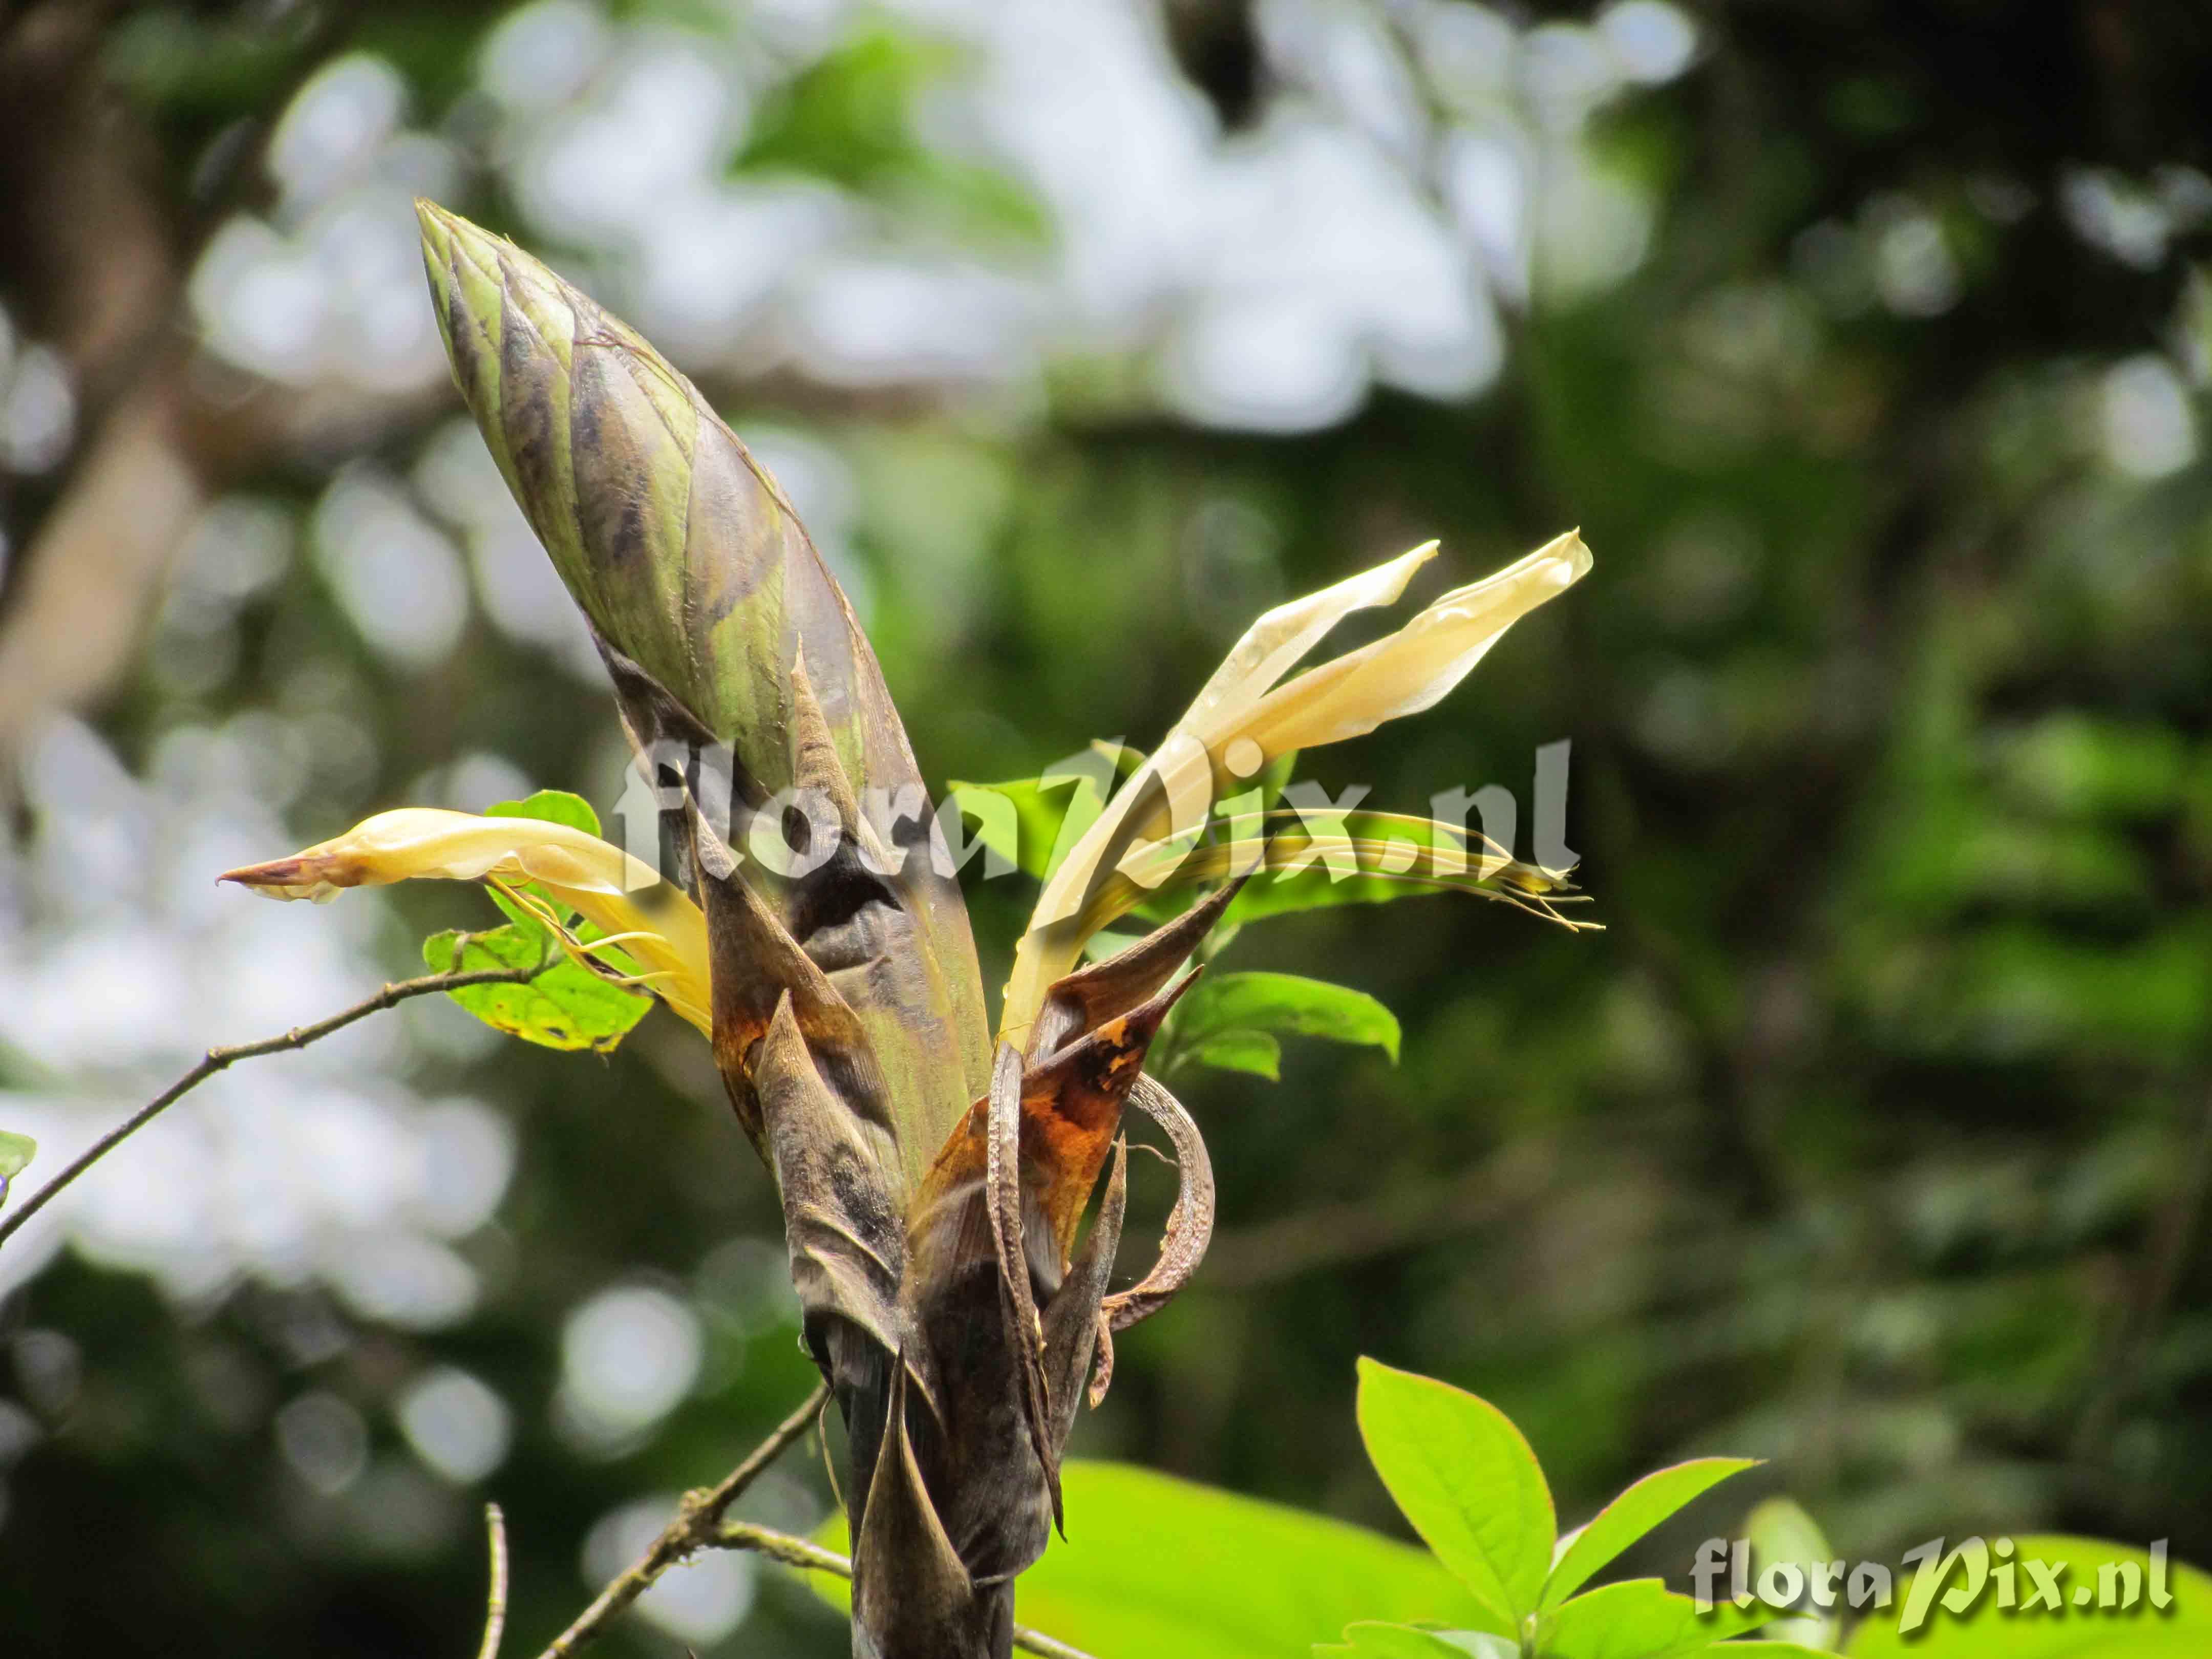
(1244, 717)
(654, 922)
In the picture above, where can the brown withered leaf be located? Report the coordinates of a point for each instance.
(1003, 1185)
(1075, 1326)
(847, 1243)
(1190, 1223)
(1071, 1112)
(1086, 999)
(911, 1594)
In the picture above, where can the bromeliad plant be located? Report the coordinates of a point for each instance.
(933, 1181)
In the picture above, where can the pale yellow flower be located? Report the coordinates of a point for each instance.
(654, 922)
(1248, 715)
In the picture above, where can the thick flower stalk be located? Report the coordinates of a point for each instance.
(933, 1186)
(949, 1307)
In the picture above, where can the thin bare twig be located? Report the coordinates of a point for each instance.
(216, 1059)
(694, 1528)
(812, 1557)
(495, 1599)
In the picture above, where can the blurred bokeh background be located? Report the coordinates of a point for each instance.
(1867, 341)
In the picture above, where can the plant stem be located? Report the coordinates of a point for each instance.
(495, 1599)
(812, 1557)
(216, 1059)
(700, 1526)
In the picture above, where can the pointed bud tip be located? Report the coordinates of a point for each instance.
(1137, 1028)
(274, 874)
(444, 232)
(437, 224)
(282, 878)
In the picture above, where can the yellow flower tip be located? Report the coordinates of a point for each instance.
(1568, 555)
(655, 922)
(389, 847)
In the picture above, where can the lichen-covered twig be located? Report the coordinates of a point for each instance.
(495, 1597)
(694, 1526)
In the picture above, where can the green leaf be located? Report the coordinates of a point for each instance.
(1049, 815)
(1986, 1629)
(1412, 848)
(1780, 1531)
(1641, 1619)
(1254, 1052)
(1225, 1012)
(567, 1006)
(1643, 1506)
(1373, 1641)
(523, 921)
(1251, 1580)
(1466, 1479)
(16, 1152)
(1051, 812)
(2157, 1644)
(552, 806)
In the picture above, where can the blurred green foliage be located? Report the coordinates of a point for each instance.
(1473, 1488)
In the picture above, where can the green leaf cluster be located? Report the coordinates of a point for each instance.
(568, 1006)
(1469, 1482)
(1252, 1579)
(1236, 1022)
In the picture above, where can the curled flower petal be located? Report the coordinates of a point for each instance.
(1413, 668)
(1248, 715)
(1272, 646)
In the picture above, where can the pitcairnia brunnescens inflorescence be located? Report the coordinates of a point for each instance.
(934, 1183)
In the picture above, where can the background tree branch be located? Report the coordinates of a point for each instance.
(217, 1059)
(694, 1526)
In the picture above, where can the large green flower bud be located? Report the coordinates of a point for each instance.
(703, 587)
